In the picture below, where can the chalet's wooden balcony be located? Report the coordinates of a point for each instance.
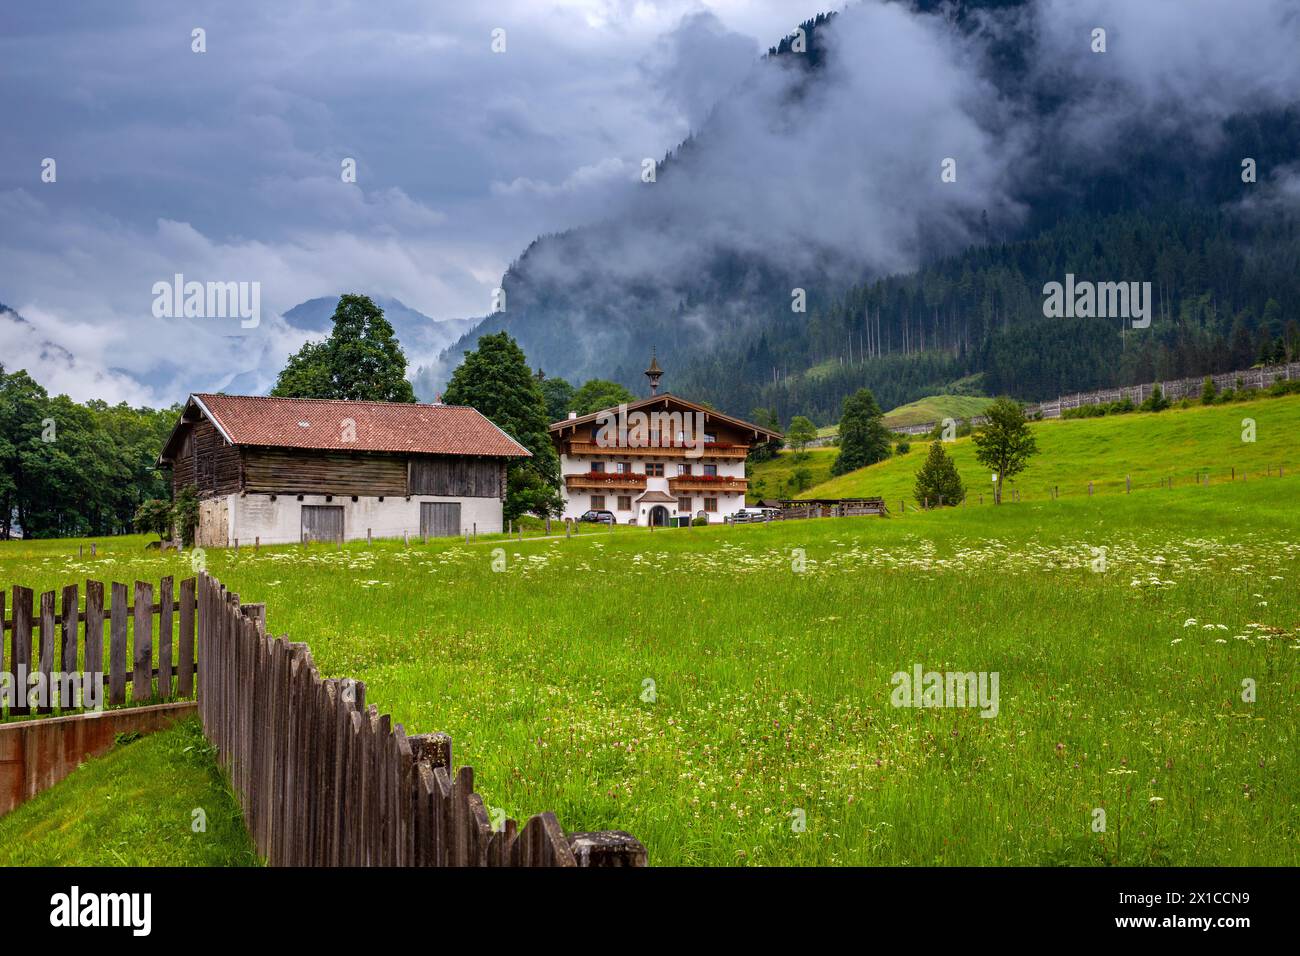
(713, 449)
(605, 479)
(703, 484)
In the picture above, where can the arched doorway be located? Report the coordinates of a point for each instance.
(659, 516)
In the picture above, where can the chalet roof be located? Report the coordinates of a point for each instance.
(656, 497)
(668, 400)
(325, 425)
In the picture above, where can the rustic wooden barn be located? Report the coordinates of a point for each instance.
(279, 470)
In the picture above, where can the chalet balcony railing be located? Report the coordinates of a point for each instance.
(713, 449)
(605, 479)
(706, 483)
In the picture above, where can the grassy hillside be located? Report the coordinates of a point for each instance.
(133, 807)
(934, 408)
(772, 479)
(771, 650)
(1177, 443)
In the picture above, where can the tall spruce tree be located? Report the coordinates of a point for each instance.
(937, 481)
(864, 439)
(495, 379)
(360, 361)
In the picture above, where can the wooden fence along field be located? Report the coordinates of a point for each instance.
(134, 643)
(325, 780)
(801, 508)
(1175, 390)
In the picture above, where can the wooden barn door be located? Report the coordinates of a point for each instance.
(440, 519)
(322, 522)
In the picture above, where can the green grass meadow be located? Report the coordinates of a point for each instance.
(767, 735)
(135, 806)
(1148, 447)
(769, 479)
(935, 408)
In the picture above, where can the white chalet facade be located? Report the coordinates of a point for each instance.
(655, 460)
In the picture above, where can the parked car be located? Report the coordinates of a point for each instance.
(599, 517)
(745, 515)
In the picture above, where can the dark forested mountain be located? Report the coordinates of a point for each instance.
(1218, 284)
(821, 172)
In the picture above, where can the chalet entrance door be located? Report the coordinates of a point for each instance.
(322, 522)
(440, 519)
(658, 516)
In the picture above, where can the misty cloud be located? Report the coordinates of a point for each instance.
(225, 166)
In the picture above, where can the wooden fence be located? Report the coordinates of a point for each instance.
(77, 631)
(792, 509)
(1174, 389)
(325, 780)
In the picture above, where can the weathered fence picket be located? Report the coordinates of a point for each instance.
(63, 647)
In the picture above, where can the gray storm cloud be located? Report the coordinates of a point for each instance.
(225, 167)
(787, 170)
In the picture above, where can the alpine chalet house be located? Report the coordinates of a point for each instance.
(657, 460)
(285, 470)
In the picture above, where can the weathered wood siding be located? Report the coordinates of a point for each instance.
(206, 461)
(322, 522)
(440, 519)
(457, 477)
(283, 471)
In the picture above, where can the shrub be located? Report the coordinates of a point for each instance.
(938, 480)
(902, 448)
(1122, 407)
(185, 513)
(1208, 391)
(1156, 402)
(699, 520)
(154, 517)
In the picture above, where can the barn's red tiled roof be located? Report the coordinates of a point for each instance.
(357, 426)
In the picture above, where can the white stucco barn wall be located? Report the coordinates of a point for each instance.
(279, 521)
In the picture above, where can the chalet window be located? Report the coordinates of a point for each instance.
(654, 468)
(683, 469)
(710, 504)
(624, 502)
(711, 471)
(684, 505)
(598, 466)
(597, 502)
(623, 467)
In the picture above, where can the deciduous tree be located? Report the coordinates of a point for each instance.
(1004, 443)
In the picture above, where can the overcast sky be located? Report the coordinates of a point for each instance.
(225, 165)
